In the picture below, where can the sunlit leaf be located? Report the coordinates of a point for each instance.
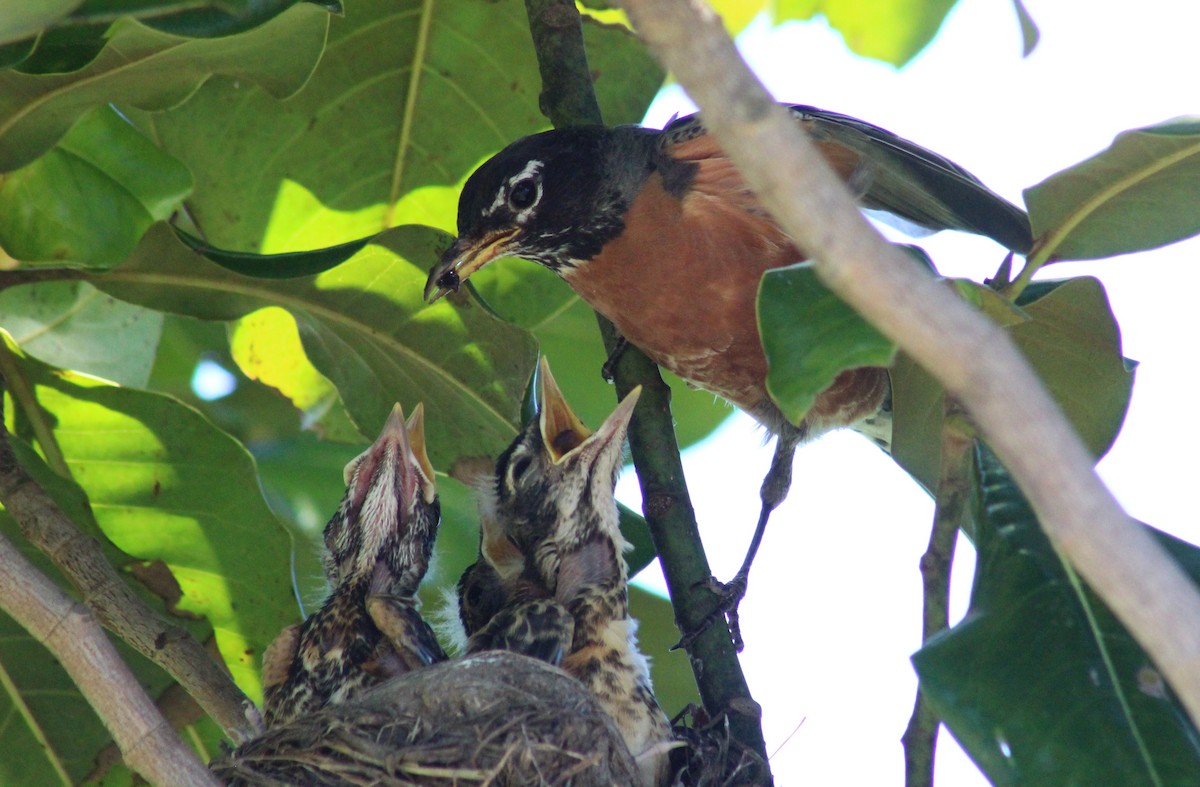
(90, 199)
(165, 484)
(893, 31)
(408, 99)
(365, 327)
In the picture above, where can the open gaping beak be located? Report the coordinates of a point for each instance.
(562, 431)
(466, 256)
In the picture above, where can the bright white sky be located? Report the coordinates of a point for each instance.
(833, 612)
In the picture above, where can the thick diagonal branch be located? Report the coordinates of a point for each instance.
(568, 99)
(69, 631)
(79, 558)
(975, 361)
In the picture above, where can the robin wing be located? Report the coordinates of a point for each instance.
(888, 173)
(411, 637)
(541, 628)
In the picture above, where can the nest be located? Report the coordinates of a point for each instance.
(494, 719)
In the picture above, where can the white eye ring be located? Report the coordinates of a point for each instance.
(525, 193)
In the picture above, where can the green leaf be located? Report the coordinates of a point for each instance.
(1029, 30)
(165, 484)
(810, 336)
(1074, 344)
(266, 346)
(90, 199)
(365, 327)
(19, 19)
(151, 70)
(72, 324)
(289, 265)
(893, 31)
(1138, 194)
(1039, 682)
(408, 99)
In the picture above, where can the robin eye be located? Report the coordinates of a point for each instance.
(524, 193)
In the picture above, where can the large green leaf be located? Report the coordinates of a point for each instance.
(1074, 344)
(1138, 194)
(165, 484)
(90, 199)
(810, 336)
(148, 69)
(408, 98)
(1039, 682)
(72, 324)
(893, 31)
(365, 328)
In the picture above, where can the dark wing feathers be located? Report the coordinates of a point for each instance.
(899, 177)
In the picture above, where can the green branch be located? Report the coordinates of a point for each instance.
(568, 99)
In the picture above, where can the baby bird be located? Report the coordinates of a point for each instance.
(550, 580)
(378, 547)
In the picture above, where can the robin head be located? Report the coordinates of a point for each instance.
(554, 198)
(386, 524)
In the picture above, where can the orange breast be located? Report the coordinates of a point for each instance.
(682, 279)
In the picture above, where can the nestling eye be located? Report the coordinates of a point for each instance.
(524, 194)
(519, 467)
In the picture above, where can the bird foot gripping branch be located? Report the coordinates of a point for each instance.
(658, 232)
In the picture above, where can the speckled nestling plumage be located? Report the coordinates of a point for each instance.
(565, 600)
(378, 547)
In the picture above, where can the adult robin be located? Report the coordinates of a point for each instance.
(377, 550)
(550, 581)
(658, 232)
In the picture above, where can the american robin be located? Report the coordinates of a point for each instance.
(565, 600)
(378, 547)
(658, 232)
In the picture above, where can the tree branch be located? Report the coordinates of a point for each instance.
(78, 556)
(568, 99)
(970, 356)
(73, 636)
(953, 495)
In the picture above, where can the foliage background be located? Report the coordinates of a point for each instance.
(403, 103)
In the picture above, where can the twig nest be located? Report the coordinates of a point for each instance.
(495, 718)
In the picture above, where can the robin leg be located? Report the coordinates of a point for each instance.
(399, 621)
(606, 371)
(774, 490)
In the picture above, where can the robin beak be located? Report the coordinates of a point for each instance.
(466, 256)
(602, 450)
(562, 431)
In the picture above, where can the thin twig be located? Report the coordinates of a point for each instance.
(79, 558)
(73, 636)
(974, 360)
(569, 99)
(953, 493)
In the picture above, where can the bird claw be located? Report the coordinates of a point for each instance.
(729, 595)
(610, 363)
